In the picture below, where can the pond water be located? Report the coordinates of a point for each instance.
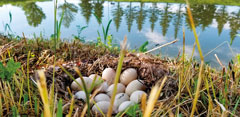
(157, 23)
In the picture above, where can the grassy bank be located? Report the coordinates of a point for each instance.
(36, 77)
(219, 91)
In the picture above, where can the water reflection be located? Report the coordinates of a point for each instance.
(234, 25)
(178, 20)
(86, 9)
(130, 14)
(70, 10)
(33, 13)
(98, 9)
(141, 16)
(166, 17)
(221, 18)
(117, 14)
(154, 14)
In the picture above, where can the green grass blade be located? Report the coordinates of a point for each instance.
(36, 107)
(107, 29)
(119, 68)
(98, 19)
(235, 107)
(59, 109)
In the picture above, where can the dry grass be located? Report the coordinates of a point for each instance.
(200, 90)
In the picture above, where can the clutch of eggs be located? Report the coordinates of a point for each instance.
(129, 89)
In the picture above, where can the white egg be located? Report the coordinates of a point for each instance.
(74, 85)
(136, 96)
(128, 75)
(133, 86)
(87, 80)
(80, 95)
(98, 78)
(120, 98)
(103, 87)
(108, 75)
(120, 89)
(125, 105)
(103, 105)
(101, 97)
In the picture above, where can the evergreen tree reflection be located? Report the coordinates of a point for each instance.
(221, 18)
(154, 12)
(98, 9)
(130, 15)
(234, 25)
(203, 15)
(86, 9)
(70, 10)
(141, 16)
(117, 16)
(165, 19)
(34, 13)
(178, 21)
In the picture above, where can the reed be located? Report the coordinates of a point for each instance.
(119, 68)
(42, 87)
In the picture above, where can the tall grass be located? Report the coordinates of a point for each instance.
(42, 87)
(201, 89)
(105, 30)
(119, 68)
(199, 81)
(154, 94)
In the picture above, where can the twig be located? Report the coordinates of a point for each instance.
(218, 60)
(174, 41)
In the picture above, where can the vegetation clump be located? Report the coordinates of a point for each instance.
(219, 88)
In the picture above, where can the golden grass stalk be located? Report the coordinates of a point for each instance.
(21, 89)
(210, 102)
(119, 68)
(181, 78)
(1, 107)
(201, 57)
(155, 92)
(28, 81)
(85, 89)
(10, 94)
(194, 30)
(143, 102)
(91, 100)
(42, 87)
(71, 108)
(4, 96)
(197, 90)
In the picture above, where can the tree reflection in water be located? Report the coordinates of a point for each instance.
(203, 15)
(234, 25)
(117, 15)
(141, 16)
(177, 21)
(130, 14)
(33, 13)
(98, 9)
(153, 15)
(166, 17)
(86, 8)
(70, 10)
(221, 18)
